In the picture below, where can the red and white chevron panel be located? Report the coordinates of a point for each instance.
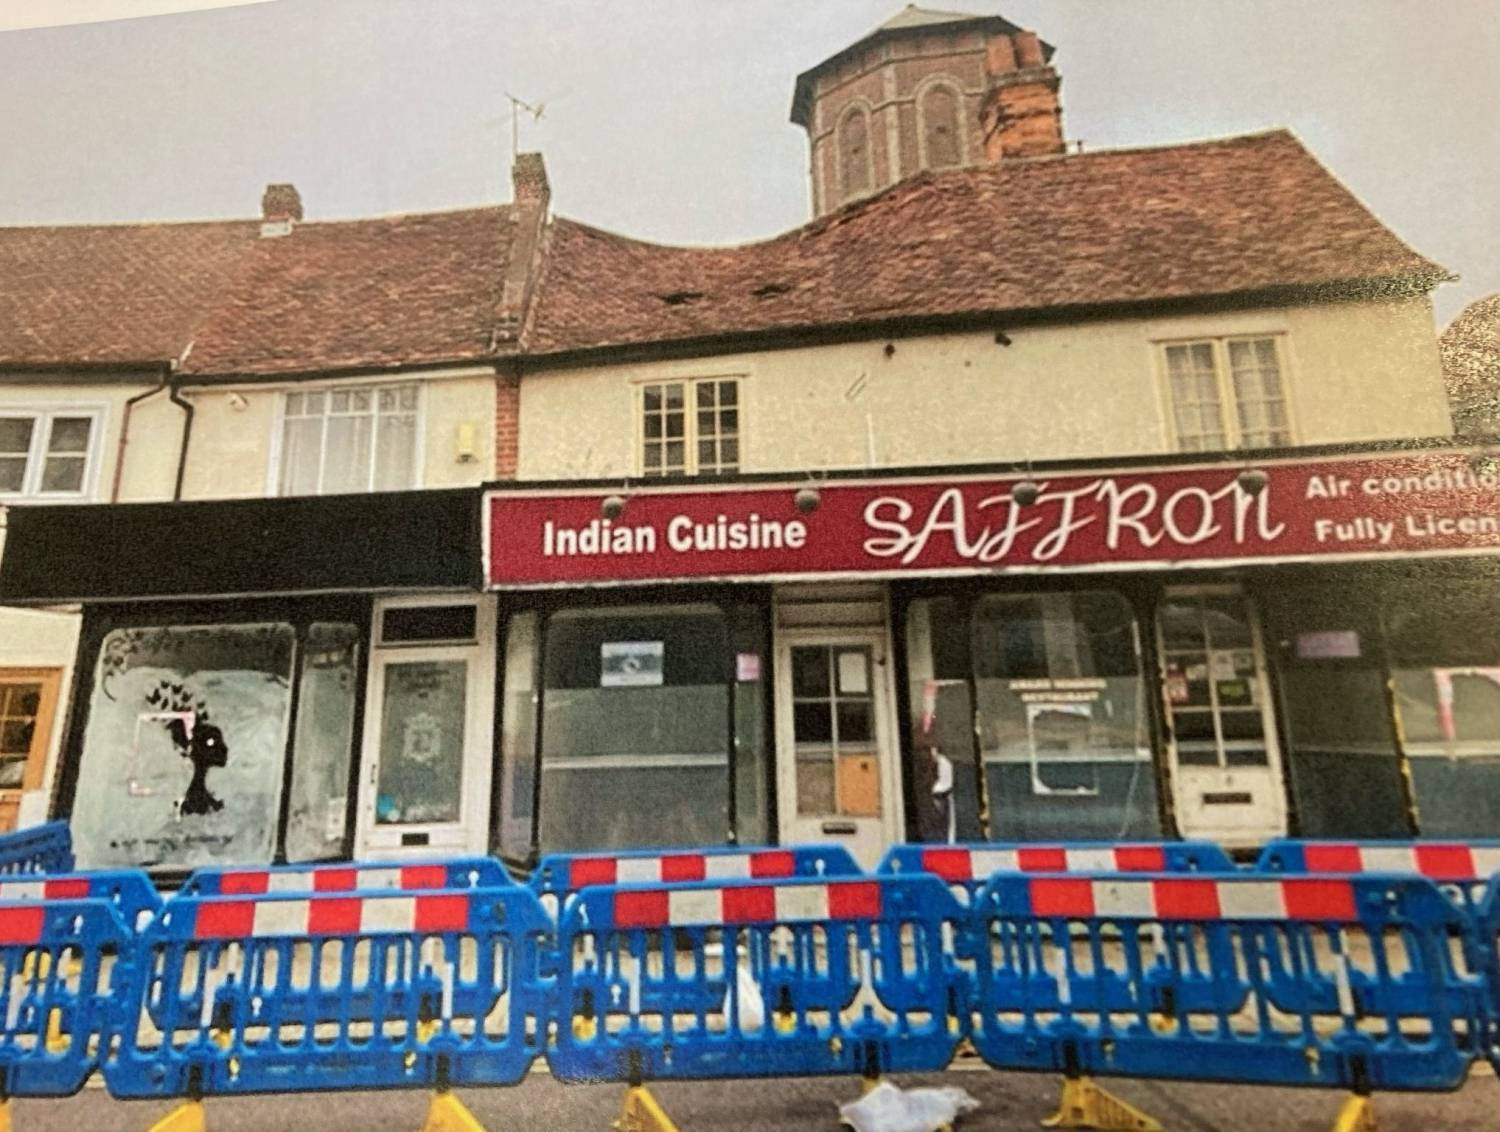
(258, 882)
(219, 918)
(55, 888)
(1432, 859)
(956, 865)
(672, 868)
(1193, 898)
(747, 904)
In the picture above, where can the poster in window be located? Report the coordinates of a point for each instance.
(184, 745)
(422, 743)
(631, 664)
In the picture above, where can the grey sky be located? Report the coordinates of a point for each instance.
(668, 120)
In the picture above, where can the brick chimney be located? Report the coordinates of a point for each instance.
(1021, 115)
(281, 202)
(528, 177)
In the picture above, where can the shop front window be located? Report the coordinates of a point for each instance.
(317, 815)
(1061, 717)
(635, 720)
(184, 747)
(518, 736)
(1445, 665)
(942, 718)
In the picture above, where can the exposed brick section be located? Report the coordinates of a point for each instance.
(507, 426)
(1022, 116)
(1030, 234)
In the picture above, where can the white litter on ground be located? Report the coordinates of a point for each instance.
(887, 1108)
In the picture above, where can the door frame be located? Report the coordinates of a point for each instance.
(34, 773)
(470, 834)
(1277, 826)
(892, 810)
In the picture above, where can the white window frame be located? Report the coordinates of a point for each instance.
(690, 423)
(278, 429)
(43, 415)
(1229, 405)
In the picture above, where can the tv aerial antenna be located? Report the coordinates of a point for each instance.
(516, 106)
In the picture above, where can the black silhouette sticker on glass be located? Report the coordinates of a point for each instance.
(196, 739)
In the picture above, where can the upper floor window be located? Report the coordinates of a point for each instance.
(856, 170)
(690, 427)
(362, 438)
(47, 453)
(942, 145)
(1227, 393)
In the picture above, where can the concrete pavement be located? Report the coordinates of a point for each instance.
(1010, 1103)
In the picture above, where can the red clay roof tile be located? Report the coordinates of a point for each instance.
(1212, 218)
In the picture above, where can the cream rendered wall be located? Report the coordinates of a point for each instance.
(1353, 371)
(236, 442)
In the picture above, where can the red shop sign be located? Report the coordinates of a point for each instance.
(1426, 503)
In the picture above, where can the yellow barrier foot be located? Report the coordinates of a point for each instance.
(641, 1113)
(448, 1114)
(1085, 1105)
(5, 1116)
(1357, 1115)
(186, 1117)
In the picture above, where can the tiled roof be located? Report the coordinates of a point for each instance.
(1217, 218)
(330, 295)
(403, 290)
(112, 295)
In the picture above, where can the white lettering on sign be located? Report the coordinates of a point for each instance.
(684, 535)
(986, 532)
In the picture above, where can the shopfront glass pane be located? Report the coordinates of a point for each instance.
(1061, 717)
(942, 721)
(752, 747)
(1445, 659)
(318, 805)
(184, 746)
(635, 727)
(422, 742)
(518, 735)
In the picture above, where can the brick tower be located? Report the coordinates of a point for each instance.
(925, 90)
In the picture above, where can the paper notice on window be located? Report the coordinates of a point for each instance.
(854, 673)
(631, 664)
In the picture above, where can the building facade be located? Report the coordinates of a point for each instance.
(1020, 493)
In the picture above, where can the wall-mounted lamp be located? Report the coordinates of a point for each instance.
(1026, 493)
(1485, 462)
(1002, 338)
(890, 350)
(237, 402)
(612, 506)
(807, 500)
(1252, 481)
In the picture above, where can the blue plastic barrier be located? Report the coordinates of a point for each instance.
(858, 981)
(1182, 961)
(1052, 940)
(129, 891)
(359, 876)
(40, 849)
(279, 993)
(64, 977)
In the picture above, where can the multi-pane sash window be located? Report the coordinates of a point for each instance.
(690, 427)
(1227, 393)
(349, 440)
(45, 454)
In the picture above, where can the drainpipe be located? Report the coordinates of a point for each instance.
(188, 409)
(130, 404)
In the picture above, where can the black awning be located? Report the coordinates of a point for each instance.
(241, 547)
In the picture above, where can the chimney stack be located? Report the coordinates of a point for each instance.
(529, 181)
(1021, 115)
(281, 202)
